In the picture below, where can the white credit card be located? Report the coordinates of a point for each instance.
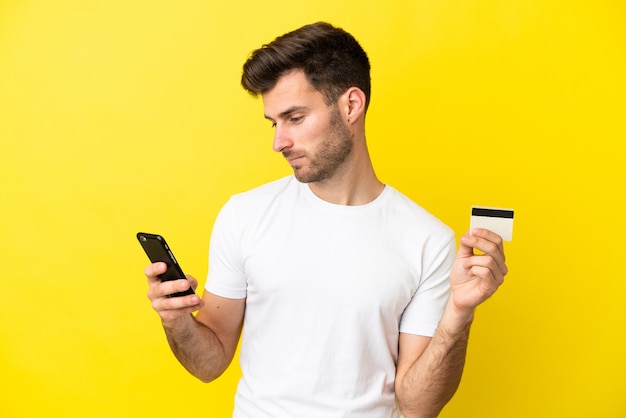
(497, 220)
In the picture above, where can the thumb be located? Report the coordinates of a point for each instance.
(192, 280)
(465, 250)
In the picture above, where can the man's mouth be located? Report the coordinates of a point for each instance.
(293, 159)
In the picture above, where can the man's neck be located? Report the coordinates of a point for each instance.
(357, 187)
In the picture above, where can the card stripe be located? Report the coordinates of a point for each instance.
(492, 213)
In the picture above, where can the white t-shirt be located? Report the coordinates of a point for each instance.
(328, 289)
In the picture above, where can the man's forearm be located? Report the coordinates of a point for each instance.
(434, 377)
(197, 348)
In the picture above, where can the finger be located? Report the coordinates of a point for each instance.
(177, 306)
(489, 236)
(153, 270)
(490, 244)
(169, 287)
(192, 281)
(489, 282)
(179, 302)
(174, 314)
(486, 269)
(485, 260)
(465, 247)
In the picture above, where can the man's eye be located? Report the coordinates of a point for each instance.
(273, 124)
(295, 119)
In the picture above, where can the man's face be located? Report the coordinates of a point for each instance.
(311, 136)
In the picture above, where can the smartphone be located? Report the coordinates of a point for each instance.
(157, 250)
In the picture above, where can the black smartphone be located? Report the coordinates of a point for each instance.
(157, 250)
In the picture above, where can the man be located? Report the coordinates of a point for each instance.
(350, 296)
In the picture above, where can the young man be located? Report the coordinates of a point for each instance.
(350, 296)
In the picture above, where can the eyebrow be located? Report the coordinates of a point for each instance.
(287, 112)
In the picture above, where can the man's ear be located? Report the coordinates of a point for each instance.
(352, 103)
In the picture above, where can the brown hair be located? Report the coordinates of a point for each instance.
(332, 61)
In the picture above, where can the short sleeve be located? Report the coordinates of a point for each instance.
(423, 313)
(226, 275)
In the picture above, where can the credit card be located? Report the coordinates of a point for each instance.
(497, 220)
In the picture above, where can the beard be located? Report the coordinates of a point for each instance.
(332, 153)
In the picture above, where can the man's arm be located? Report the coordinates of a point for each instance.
(429, 370)
(205, 344)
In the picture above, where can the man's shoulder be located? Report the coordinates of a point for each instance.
(406, 207)
(254, 200)
(268, 190)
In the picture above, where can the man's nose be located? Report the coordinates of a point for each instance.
(282, 139)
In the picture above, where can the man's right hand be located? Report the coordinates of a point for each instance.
(171, 309)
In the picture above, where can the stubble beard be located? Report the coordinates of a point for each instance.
(332, 153)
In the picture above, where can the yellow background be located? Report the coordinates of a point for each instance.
(120, 116)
